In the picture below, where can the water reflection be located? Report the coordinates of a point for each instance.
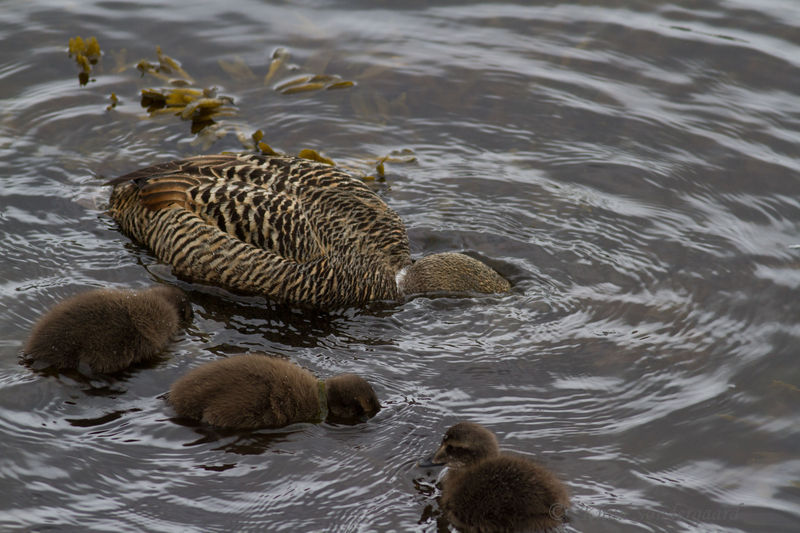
(630, 167)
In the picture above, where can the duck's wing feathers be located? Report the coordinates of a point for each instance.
(295, 230)
(203, 252)
(274, 221)
(298, 208)
(165, 191)
(235, 194)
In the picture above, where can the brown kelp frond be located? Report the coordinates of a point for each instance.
(86, 53)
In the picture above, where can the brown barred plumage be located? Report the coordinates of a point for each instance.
(293, 230)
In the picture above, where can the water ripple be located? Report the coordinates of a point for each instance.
(631, 169)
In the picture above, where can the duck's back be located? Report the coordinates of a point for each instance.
(295, 230)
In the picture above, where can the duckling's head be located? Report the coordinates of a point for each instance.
(464, 444)
(176, 298)
(350, 399)
(450, 272)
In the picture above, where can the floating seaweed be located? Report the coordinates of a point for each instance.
(344, 84)
(167, 69)
(256, 143)
(363, 167)
(261, 146)
(86, 53)
(313, 82)
(279, 58)
(181, 97)
(404, 156)
(303, 83)
(200, 106)
(313, 155)
(266, 149)
(114, 101)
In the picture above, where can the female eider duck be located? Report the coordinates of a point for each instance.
(294, 230)
(486, 491)
(257, 391)
(107, 330)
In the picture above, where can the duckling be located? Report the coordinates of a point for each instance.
(107, 330)
(296, 231)
(489, 492)
(256, 391)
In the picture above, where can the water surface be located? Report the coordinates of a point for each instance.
(631, 167)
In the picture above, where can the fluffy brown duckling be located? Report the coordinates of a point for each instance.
(107, 330)
(257, 391)
(489, 492)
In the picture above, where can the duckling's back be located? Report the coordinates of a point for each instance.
(247, 392)
(107, 330)
(504, 493)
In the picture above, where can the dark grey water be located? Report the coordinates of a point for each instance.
(632, 167)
